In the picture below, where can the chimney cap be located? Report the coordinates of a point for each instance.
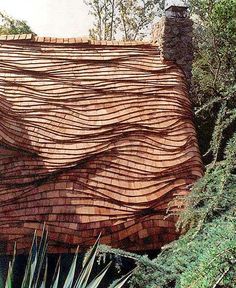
(177, 8)
(174, 11)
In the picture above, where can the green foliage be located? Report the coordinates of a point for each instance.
(205, 256)
(213, 195)
(195, 260)
(12, 26)
(105, 19)
(35, 275)
(214, 73)
(215, 39)
(126, 19)
(136, 17)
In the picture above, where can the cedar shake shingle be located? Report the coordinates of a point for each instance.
(94, 138)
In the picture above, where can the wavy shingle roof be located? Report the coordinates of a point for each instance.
(94, 137)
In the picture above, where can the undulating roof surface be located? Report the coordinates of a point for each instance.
(94, 137)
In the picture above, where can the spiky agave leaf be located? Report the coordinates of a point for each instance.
(97, 280)
(82, 280)
(70, 277)
(120, 282)
(35, 261)
(43, 284)
(31, 263)
(41, 253)
(33, 271)
(9, 280)
(56, 276)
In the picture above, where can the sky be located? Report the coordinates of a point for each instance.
(53, 18)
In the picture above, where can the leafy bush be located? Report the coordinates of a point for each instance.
(205, 257)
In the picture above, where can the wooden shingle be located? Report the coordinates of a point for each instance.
(94, 137)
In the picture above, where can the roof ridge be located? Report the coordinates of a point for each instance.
(17, 37)
(72, 40)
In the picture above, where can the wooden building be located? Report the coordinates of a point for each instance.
(95, 136)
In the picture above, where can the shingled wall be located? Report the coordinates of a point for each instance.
(94, 137)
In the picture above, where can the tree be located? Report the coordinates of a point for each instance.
(135, 18)
(205, 255)
(125, 19)
(214, 73)
(13, 26)
(103, 11)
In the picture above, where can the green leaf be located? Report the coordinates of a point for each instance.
(41, 256)
(120, 282)
(9, 281)
(45, 271)
(87, 268)
(55, 279)
(70, 277)
(96, 281)
(43, 284)
(28, 277)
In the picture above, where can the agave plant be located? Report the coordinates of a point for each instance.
(35, 275)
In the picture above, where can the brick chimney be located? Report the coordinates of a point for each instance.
(174, 34)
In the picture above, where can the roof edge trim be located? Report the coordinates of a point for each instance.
(81, 40)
